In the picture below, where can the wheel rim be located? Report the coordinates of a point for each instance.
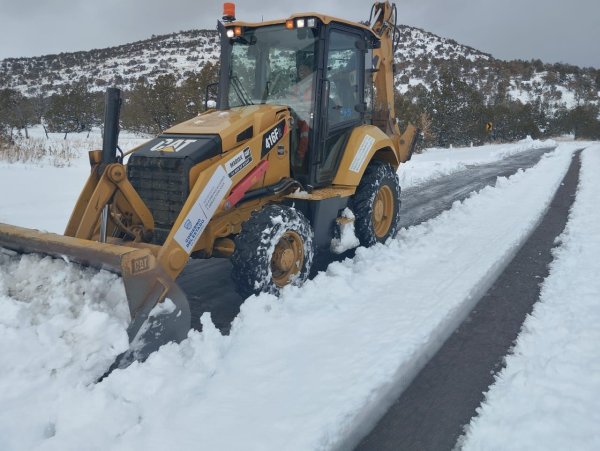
(383, 211)
(288, 258)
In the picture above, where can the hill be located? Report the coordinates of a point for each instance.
(451, 90)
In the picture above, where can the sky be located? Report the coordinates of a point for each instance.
(553, 31)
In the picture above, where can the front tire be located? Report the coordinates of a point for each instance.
(274, 249)
(376, 204)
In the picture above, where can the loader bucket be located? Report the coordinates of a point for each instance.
(146, 285)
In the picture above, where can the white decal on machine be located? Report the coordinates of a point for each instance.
(239, 162)
(203, 210)
(361, 153)
(171, 145)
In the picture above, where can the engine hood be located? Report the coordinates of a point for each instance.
(234, 126)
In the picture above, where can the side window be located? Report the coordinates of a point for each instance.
(342, 73)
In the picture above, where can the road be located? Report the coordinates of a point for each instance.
(432, 412)
(207, 282)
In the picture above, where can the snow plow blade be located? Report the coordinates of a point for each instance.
(146, 285)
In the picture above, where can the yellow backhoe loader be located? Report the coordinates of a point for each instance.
(304, 127)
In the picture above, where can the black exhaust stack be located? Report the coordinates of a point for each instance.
(112, 109)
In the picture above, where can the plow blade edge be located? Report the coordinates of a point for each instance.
(146, 285)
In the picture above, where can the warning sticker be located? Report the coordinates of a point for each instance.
(239, 162)
(203, 210)
(361, 153)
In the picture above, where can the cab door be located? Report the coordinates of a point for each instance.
(342, 103)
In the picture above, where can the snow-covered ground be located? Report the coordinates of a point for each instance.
(310, 370)
(41, 194)
(548, 396)
(439, 162)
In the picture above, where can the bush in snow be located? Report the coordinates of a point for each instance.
(36, 150)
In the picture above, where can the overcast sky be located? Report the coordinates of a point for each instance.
(552, 30)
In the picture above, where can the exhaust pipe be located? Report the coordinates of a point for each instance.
(112, 109)
(110, 138)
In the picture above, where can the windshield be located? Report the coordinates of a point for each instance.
(274, 65)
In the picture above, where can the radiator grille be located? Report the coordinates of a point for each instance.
(164, 187)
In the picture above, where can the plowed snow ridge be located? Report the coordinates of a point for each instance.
(548, 396)
(296, 373)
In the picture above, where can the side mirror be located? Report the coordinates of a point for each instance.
(210, 103)
(370, 62)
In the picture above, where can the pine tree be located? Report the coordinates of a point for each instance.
(456, 110)
(194, 89)
(16, 112)
(136, 114)
(73, 110)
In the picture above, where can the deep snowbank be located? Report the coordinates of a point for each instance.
(60, 326)
(306, 371)
(548, 396)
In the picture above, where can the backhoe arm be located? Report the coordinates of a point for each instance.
(383, 24)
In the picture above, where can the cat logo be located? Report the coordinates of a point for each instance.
(139, 265)
(172, 145)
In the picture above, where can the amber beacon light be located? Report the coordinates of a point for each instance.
(228, 12)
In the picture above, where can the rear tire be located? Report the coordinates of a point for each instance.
(274, 249)
(376, 204)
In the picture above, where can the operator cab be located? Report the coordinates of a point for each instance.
(315, 65)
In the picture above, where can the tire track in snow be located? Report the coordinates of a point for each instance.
(431, 413)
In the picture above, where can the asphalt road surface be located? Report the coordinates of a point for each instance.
(431, 413)
(207, 282)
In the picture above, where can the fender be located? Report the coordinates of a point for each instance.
(365, 142)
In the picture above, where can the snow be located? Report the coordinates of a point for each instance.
(347, 239)
(434, 163)
(41, 194)
(31, 190)
(548, 396)
(310, 370)
(60, 326)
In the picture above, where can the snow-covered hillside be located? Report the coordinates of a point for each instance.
(423, 56)
(179, 54)
(420, 59)
(306, 371)
(416, 43)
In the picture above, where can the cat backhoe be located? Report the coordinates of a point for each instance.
(303, 127)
